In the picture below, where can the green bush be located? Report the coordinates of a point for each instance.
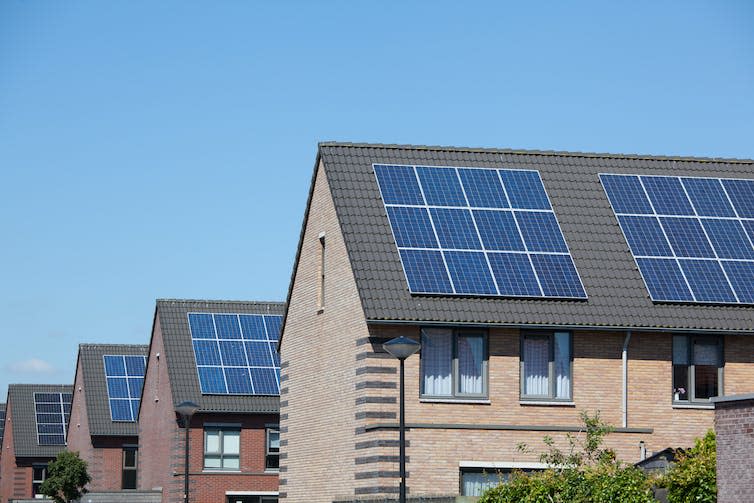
(693, 478)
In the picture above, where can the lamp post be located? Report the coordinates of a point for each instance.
(186, 410)
(402, 348)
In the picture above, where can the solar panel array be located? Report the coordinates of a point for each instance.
(477, 231)
(52, 412)
(125, 378)
(692, 238)
(236, 354)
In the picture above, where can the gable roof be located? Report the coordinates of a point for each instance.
(24, 421)
(2, 424)
(617, 297)
(92, 365)
(180, 361)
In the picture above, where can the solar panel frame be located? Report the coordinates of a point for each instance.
(461, 227)
(228, 365)
(52, 412)
(712, 230)
(124, 375)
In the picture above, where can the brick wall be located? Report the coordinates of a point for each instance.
(734, 427)
(8, 458)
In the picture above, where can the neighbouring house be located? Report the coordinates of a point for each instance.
(734, 430)
(36, 419)
(540, 285)
(222, 356)
(104, 411)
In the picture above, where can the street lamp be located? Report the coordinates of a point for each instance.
(402, 348)
(186, 410)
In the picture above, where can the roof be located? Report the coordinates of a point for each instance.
(24, 421)
(617, 296)
(179, 354)
(92, 365)
(2, 423)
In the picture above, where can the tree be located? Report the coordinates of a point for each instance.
(66, 478)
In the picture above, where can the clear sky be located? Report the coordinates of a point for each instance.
(164, 149)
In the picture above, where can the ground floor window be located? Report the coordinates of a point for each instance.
(697, 368)
(130, 455)
(474, 481)
(246, 498)
(39, 474)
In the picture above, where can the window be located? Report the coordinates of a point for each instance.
(272, 457)
(244, 498)
(697, 368)
(474, 481)
(322, 270)
(39, 474)
(453, 363)
(222, 448)
(546, 366)
(130, 457)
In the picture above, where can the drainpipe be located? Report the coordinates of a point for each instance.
(625, 378)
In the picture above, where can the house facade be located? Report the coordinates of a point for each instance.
(220, 355)
(105, 404)
(539, 284)
(36, 416)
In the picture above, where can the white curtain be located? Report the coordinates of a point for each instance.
(436, 361)
(470, 361)
(562, 365)
(475, 483)
(536, 370)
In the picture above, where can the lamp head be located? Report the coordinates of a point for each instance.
(401, 347)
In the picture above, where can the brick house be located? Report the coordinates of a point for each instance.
(36, 418)
(539, 284)
(222, 356)
(734, 428)
(104, 410)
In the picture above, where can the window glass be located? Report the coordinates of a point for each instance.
(213, 441)
(536, 365)
(231, 442)
(212, 461)
(697, 368)
(475, 483)
(470, 364)
(436, 361)
(222, 448)
(563, 365)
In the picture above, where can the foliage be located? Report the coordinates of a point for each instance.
(585, 473)
(693, 477)
(66, 478)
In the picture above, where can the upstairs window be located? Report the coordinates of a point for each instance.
(697, 368)
(272, 457)
(130, 460)
(39, 475)
(222, 447)
(546, 366)
(453, 363)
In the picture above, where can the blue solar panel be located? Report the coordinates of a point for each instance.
(741, 194)
(243, 343)
(125, 378)
(455, 229)
(52, 411)
(449, 240)
(645, 236)
(667, 195)
(703, 250)
(483, 188)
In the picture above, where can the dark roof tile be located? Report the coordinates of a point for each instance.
(24, 421)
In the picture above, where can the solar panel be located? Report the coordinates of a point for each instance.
(236, 354)
(125, 378)
(477, 231)
(692, 238)
(52, 411)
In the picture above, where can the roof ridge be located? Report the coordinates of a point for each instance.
(561, 153)
(221, 301)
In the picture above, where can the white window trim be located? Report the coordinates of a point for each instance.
(252, 493)
(510, 465)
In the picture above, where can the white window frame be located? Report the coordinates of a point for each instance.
(221, 430)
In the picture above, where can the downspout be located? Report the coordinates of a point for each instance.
(625, 378)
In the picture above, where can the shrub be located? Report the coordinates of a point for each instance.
(693, 478)
(66, 478)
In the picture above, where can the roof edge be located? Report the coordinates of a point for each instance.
(559, 153)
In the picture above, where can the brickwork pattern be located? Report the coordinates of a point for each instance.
(734, 426)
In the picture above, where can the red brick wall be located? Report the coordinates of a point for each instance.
(9, 459)
(734, 426)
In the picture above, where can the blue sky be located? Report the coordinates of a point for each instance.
(164, 149)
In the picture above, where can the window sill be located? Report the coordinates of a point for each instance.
(479, 401)
(694, 406)
(219, 470)
(272, 470)
(547, 403)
